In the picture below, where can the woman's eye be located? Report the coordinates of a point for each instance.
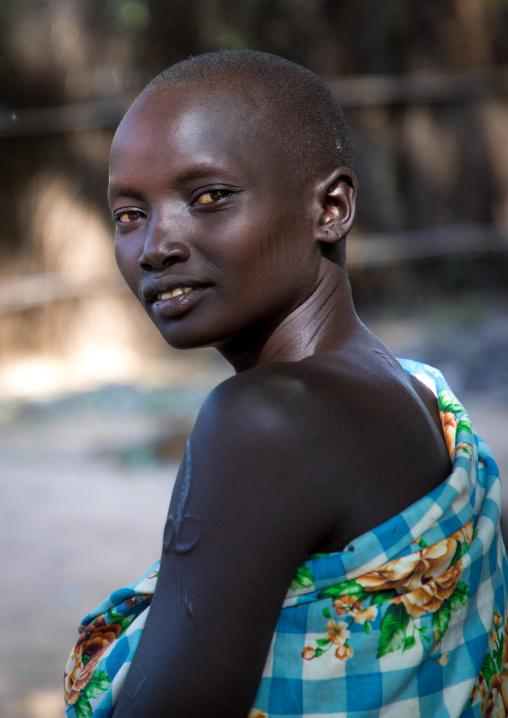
(130, 215)
(213, 195)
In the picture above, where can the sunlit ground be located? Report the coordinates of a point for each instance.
(86, 476)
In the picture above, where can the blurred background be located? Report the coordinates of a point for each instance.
(94, 408)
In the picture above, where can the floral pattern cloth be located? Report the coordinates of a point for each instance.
(410, 619)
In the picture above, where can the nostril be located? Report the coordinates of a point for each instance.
(173, 258)
(157, 257)
(159, 263)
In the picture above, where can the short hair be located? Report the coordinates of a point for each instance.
(310, 127)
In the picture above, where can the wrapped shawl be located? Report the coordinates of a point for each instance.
(409, 620)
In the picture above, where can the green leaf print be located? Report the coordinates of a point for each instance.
(347, 588)
(302, 579)
(459, 597)
(381, 596)
(440, 620)
(98, 684)
(393, 628)
(83, 708)
(113, 616)
(409, 642)
(367, 628)
(447, 402)
(489, 668)
(499, 657)
(461, 549)
(323, 641)
(464, 425)
(422, 543)
(326, 613)
(126, 622)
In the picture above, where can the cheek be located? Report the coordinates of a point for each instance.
(127, 259)
(257, 258)
(278, 265)
(286, 250)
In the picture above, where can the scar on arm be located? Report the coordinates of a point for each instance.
(182, 533)
(182, 530)
(128, 700)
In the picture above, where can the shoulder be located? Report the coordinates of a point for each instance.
(280, 398)
(267, 432)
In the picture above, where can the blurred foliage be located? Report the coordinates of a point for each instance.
(418, 166)
(53, 51)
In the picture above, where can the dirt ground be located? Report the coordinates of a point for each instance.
(83, 501)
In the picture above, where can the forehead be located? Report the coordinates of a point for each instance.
(195, 124)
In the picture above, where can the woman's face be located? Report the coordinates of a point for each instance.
(211, 235)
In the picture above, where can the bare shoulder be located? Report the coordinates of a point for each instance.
(276, 403)
(353, 441)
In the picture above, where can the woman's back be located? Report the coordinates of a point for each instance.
(232, 190)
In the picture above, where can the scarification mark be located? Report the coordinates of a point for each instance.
(137, 679)
(181, 535)
(188, 606)
(182, 531)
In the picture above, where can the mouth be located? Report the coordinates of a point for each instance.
(172, 296)
(177, 301)
(176, 292)
(166, 288)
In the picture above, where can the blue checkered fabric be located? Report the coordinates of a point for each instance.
(408, 620)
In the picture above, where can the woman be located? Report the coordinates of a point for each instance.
(317, 479)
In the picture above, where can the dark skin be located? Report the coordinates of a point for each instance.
(319, 437)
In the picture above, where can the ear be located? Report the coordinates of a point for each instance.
(336, 205)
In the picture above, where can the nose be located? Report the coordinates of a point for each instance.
(162, 249)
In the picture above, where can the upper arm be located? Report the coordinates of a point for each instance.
(244, 514)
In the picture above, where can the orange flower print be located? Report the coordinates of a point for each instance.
(308, 653)
(480, 692)
(497, 701)
(256, 713)
(135, 600)
(491, 688)
(348, 605)
(345, 604)
(89, 649)
(365, 614)
(424, 578)
(443, 661)
(413, 585)
(449, 422)
(343, 651)
(429, 597)
(337, 633)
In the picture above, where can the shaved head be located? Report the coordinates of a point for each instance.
(293, 106)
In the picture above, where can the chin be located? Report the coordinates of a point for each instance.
(179, 336)
(185, 343)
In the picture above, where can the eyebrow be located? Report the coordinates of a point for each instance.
(116, 192)
(199, 171)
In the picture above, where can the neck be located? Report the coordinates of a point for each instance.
(323, 322)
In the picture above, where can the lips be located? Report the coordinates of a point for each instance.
(170, 297)
(169, 287)
(173, 293)
(172, 304)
